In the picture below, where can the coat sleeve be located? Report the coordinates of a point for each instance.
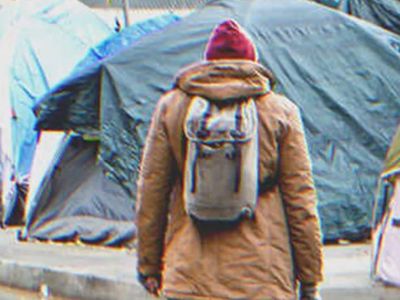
(299, 197)
(154, 186)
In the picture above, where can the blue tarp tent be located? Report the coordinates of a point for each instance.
(40, 44)
(74, 198)
(124, 39)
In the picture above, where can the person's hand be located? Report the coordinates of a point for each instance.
(309, 291)
(152, 283)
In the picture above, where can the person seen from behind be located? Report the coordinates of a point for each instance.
(226, 204)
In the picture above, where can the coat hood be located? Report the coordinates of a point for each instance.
(221, 80)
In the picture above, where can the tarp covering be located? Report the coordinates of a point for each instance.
(88, 71)
(384, 13)
(87, 213)
(127, 37)
(76, 200)
(330, 3)
(40, 44)
(342, 72)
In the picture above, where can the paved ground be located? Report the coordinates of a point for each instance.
(68, 270)
(7, 293)
(83, 272)
(347, 275)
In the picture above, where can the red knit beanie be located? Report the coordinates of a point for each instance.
(229, 41)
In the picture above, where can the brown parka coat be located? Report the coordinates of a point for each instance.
(262, 258)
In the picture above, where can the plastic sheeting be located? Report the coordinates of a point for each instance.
(122, 40)
(40, 44)
(341, 72)
(91, 213)
(85, 79)
(384, 13)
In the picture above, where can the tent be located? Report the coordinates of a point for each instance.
(386, 259)
(40, 43)
(342, 73)
(76, 200)
(71, 197)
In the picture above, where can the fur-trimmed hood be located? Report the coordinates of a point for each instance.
(221, 80)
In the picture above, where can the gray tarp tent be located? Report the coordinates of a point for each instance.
(76, 200)
(342, 72)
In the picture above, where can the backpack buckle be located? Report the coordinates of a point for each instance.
(237, 134)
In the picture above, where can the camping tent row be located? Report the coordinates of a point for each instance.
(126, 87)
(342, 72)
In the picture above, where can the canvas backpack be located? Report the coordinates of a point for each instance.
(221, 167)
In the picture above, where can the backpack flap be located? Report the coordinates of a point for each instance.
(210, 123)
(221, 168)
